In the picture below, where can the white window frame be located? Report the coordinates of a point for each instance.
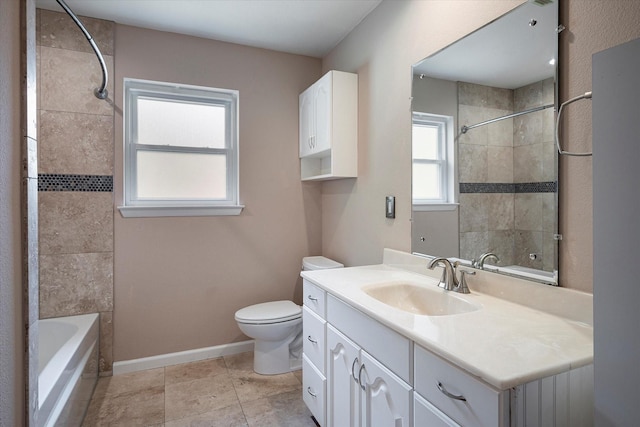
(446, 161)
(135, 206)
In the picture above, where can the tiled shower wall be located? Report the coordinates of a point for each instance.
(507, 173)
(75, 173)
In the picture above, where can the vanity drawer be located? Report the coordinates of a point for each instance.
(482, 405)
(313, 390)
(389, 347)
(313, 338)
(314, 298)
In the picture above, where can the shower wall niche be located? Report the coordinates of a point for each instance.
(75, 173)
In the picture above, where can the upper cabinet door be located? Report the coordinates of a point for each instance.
(323, 104)
(306, 121)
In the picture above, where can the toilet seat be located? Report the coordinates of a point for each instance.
(269, 312)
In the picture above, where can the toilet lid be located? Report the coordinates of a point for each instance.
(319, 263)
(269, 312)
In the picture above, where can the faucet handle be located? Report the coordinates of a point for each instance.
(463, 288)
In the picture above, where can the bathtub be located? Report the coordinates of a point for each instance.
(67, 368)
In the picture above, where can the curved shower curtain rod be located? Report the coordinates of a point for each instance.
(101, 92)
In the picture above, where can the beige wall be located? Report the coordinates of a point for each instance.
(178, 281)
(382, 50)
(11, 330)
(592, 26)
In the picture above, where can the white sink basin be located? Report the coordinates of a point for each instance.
(419, 299)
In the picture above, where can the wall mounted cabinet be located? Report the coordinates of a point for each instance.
(329, 128)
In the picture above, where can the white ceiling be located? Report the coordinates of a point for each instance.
(507, 53)
(304, 27)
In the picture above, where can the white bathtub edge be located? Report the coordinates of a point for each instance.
(162, 360)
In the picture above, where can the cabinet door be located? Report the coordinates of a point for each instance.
(425, 414)
(323, 106)
(386, 399)
(343, 390)
(306, 121)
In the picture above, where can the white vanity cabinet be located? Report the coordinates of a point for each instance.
(328, 129)
(361, 391)
(360, 372)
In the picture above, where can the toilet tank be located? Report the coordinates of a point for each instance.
(319, 263)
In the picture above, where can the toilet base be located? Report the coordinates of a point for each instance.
(272, 358)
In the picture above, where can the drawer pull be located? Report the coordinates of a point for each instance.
(311, 392)
(353, 372)
(312, 298)
(312, 340)
(449, 395)
(362, 386)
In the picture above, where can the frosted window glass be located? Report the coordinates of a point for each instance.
(425, 142)
(426, 181)
(163, 175)
(180, 124)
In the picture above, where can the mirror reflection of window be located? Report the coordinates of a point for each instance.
(432, 159)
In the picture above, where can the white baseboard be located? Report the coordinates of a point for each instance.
(162, 360)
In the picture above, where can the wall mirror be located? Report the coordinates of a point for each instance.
(485, 169)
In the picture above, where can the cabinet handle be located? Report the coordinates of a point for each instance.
(311, 392)
(312, 298)
(360, 377)
(312, 340)
(449, 395)
(353, 372)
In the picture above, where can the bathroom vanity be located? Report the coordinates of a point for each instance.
(384, 346)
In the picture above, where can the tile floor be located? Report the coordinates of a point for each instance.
(216, 392)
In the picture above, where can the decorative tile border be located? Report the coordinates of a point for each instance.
(62, 182)
(492, 187)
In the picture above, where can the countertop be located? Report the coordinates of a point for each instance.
(503, 343)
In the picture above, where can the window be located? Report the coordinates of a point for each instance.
(432, 148)
(181, 150)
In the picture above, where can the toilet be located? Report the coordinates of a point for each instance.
(276, 328)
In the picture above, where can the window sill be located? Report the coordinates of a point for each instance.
(162, 211)
(426, 207)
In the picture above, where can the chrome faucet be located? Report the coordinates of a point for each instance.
(480, 262)
(448, 281)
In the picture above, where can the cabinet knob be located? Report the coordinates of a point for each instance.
(312, 298)
(312, 340)
(449, 395)
(310, 391)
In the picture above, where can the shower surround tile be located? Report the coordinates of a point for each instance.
(64, 214)
(73, 284)
(473, 163)
(58, 30)
(68, 79)
(76, 153)
(75, 143)
(528, 211)
(105, 355)
(499, 164)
